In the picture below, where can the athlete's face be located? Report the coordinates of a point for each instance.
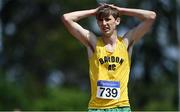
(108, 25)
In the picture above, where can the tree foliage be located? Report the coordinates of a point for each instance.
(44, 68)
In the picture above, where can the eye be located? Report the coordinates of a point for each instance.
(107, 19)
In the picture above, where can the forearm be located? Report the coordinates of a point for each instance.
(139, 13)
(77, 15)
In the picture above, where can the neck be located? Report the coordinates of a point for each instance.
(110, 39)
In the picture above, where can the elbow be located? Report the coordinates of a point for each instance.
(64, 18)
(67, 18)
(152, 16)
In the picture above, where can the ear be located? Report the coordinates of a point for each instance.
(118, 20)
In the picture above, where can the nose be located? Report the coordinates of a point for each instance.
(104, 22)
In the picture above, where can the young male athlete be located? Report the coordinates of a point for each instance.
(109, 55)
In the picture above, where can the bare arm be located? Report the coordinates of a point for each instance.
(71, 19)
(147, 18)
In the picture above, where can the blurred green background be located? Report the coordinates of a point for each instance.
(42, 67)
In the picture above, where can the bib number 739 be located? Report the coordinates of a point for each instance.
(108, 90)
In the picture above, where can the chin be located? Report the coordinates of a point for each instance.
(107, 33)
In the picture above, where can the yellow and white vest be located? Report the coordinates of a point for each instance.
(109, 75)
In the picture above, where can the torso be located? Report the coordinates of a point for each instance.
(109, 65)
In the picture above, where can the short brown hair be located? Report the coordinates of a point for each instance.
(106, 11)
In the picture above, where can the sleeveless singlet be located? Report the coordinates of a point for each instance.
(109, 75)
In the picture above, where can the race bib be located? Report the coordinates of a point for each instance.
(108, 89)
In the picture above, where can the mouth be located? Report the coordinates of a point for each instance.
(105, 29)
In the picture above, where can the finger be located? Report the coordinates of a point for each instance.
(110, 5)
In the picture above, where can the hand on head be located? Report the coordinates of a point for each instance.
(106, 5)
